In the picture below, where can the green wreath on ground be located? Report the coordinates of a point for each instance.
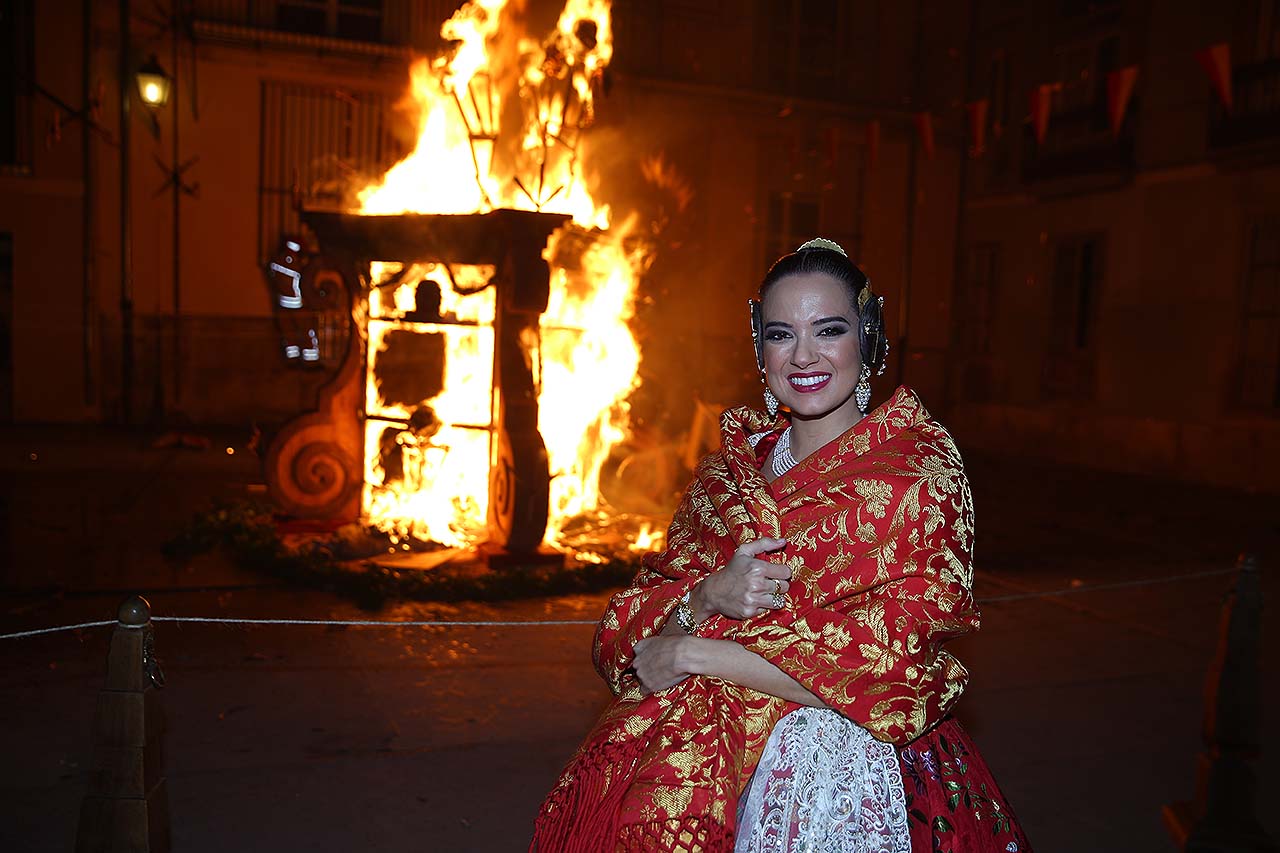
(249, 533)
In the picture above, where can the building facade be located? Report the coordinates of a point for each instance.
(1118, 298)
(1098, 293)
(132, 263)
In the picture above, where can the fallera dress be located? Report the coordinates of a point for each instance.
(879, 530)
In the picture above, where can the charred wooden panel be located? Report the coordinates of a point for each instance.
(410, 370)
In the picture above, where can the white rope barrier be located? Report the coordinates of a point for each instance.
(358, 623)
(387, 623)
(380, 622)
(1020, 596)
(15, 635)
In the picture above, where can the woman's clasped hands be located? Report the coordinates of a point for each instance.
(746, 587)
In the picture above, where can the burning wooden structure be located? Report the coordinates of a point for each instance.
(490, 361)
(375, 430)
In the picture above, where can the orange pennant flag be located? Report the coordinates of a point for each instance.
(1216, 62)
(1041, 105)
(1119, 90)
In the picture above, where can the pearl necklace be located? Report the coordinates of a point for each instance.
(783, 461)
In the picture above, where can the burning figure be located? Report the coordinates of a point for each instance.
(303, 292)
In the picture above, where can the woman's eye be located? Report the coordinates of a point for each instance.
(776, 335)
(832, 331)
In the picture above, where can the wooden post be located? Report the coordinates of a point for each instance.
(1222, 817)
(126, 808)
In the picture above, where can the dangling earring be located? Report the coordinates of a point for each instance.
(770, 402)
(862, 393)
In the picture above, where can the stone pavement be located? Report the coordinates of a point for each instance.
(1087, 704)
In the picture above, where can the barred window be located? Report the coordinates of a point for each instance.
(792, 219)
(15, 85)
(1267, 31)
(318, 145)
(1082, 69)
(360, 20)
(1260, 320)
(1078, 8)
(813, 187)
(6, 327)
(1072, 335)
(804, 47)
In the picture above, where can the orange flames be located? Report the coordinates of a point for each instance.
(470, 158)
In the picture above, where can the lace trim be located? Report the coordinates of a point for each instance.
(755, 437)
(824, 785)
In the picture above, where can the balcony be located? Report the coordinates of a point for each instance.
(343, 26)
(1255, 117)
(1080, 143)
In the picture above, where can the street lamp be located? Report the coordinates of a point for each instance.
(153, 83)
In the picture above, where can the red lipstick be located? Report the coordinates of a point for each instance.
(808, 383)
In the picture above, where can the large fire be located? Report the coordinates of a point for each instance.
(500, 118)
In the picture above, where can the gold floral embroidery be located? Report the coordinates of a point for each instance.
(879, 529)
(876, 493)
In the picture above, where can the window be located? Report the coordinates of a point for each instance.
(15, 83)
(1260, 334)
(1267, 31)
(975, 301)
(1083, 69)
(792, 218)
(6, 327)
(360, 20)
(1000, 119)
(1072, 334)
(318, 144)
(998, 86)
(1077, 8)
(803, 47)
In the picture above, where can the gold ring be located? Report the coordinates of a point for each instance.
(777, 587)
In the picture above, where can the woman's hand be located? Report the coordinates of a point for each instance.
(745, 587)
(659, 662)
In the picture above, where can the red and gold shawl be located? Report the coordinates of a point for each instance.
(879, 529)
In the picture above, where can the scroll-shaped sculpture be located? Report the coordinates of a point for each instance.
(312, 467)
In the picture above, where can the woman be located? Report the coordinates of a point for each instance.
(778, 673)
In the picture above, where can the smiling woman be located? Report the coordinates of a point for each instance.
(779, 674)
(817, 331)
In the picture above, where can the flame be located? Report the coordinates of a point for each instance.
(453, 168)
(589, 368)
(540, 94)
(435, 496)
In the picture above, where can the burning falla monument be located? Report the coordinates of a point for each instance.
(488, 361)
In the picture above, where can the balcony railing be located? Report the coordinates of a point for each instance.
(1079, 142)
(411, 23)
(1255, 114)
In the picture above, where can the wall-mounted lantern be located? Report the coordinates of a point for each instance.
(153, 83)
